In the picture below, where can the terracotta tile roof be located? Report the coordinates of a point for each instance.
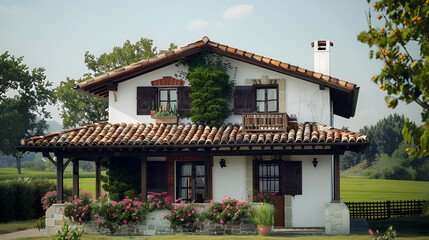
(97, 86)
(185, 135)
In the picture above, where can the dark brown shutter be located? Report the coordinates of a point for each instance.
(292, 177)
(184, 100)
(244, 99)
(145, 96)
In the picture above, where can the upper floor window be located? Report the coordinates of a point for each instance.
(266, 99)
(168, 98)
(256, 98)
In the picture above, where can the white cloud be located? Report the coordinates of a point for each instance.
(197, 24)
(237, 11)
(14, 10)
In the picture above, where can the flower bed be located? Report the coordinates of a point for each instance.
(158, 216)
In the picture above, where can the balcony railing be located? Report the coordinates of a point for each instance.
(265, 122)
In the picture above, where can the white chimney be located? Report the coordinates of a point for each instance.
(321, 55)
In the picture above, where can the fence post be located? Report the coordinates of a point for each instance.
(389, 214)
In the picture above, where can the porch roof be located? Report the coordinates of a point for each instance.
(162, 139)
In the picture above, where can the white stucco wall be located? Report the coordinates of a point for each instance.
(308, 209)
(302, 98)
(231, 180)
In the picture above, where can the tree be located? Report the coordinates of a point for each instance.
(23, 97)
(81, 109)
(405, 76)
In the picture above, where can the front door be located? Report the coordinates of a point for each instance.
(190, 181)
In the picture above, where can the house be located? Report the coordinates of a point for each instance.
(260, 146)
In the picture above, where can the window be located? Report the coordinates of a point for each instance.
(190, 181)
(268, 177)
(266, 99)
(168, 98)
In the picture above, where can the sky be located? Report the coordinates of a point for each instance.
(56, 34)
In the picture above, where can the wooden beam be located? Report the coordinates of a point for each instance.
(67, 163)
(97, 179)
(143, 170)
(75, 178)
(207, 176)
(60, 181)
(337, 178)
(48, 156)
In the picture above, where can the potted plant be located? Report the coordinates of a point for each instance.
(166, 115)
(153, 111)
(263, 217)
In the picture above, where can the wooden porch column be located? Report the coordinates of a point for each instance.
(60, 179)
(143, 170)
(207, 177)
(97, 178)
(75, 177)
(337, 178)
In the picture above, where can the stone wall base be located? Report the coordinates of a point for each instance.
(337, 219)
(54, 219)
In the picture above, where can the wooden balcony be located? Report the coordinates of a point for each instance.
(264, 122)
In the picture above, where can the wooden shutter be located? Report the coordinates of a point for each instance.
(244, 99)
(184, 100)
(292, 177)
(145, 96)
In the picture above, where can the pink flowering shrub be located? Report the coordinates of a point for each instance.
(80, 208)
(69, 234)
(263, 196)
(229, 211)
(127, 211)
(158, 201)
(49, 199)
(184, 216)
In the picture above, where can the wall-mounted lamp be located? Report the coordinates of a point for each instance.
(222, 163)
(315, 162)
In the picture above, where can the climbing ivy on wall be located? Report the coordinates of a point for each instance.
(211, 87)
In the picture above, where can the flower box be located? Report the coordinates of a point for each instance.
(171, 120)
(153, 114)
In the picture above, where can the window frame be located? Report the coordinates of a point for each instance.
(193, 180)
(169, 101)
(256, 180)
(266, 100)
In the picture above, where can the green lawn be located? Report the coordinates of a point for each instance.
(362, 189)
(16, 226)
(12, 173)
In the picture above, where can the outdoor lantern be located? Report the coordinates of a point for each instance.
(315, 162)
(222, 163)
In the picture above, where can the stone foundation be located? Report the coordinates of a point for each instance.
(54, 219)
(337, 219)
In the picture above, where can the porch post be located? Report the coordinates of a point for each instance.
(60, 195)
(207, 177)
(337, 178)
(143, 180)
(75, 177)
(97, 178)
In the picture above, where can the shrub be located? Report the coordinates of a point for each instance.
(68, 234)
(158, 201)
(229, 211)
(390, 234)
(51, 198)
(40, 188)
(425, 210)
(40, 223)
(126, 211)
(7, 202)
(80, 208)
(263, 196)
(264, 214)
(184, 216)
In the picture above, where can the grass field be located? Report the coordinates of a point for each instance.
(16, 226)
(12, 173)
(363, 189)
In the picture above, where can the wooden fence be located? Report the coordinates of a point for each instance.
(383, 210)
